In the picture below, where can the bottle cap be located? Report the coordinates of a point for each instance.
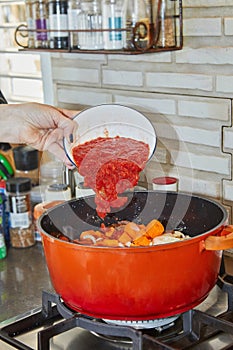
(57, 187)
(18, 184)
(26, 158)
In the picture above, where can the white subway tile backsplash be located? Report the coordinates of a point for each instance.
(206, 56)
(125, 78)
(204, 187)
(228, 26)
(151, 105)
(179, 81)
(224, 83)
(199, 136)
(204, 108)
(228, 138)
(228, 190)
(83, 96)
(202, 27)
(207, 3)
(77, 75)
(200, 161)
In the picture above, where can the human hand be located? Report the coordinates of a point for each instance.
(38, 125)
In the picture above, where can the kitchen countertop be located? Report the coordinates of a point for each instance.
(23, 276)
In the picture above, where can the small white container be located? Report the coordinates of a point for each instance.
(165, 183)
(81, 191)
(57, 192)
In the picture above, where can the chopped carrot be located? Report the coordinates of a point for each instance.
(154, 229)
(141, 241)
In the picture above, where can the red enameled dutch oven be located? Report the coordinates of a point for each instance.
(137, 283)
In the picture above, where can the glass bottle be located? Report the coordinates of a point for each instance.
(26, 161)
(30, 23)
(40, 14)
(74, 8)
(167, 36)
(58, 19)
(112, 14)
(137, 11)
(90, 19)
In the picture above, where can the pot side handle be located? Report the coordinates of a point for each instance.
(224, 241)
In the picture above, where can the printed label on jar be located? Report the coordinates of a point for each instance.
(19, 204)
(22, 220)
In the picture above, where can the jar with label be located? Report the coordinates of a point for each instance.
(112, 13)
(90, 24)
(58, 20)
(21, 226)
(40, 15)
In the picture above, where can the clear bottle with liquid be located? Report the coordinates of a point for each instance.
(113, 18)
(90, 22)
(74, 8)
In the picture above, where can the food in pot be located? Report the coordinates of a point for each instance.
(110, 166)
(128, 234)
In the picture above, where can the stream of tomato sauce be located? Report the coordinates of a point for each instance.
(110, 166)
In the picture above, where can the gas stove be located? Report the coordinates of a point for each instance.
(54, 326)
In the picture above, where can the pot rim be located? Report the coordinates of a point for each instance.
(163, 246)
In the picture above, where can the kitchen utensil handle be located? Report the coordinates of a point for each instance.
(225, 241)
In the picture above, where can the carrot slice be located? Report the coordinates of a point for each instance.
(154, 228)
(141, 241)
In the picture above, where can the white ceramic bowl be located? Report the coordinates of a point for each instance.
(112, 120)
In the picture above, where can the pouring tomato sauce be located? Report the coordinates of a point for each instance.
(110, 166)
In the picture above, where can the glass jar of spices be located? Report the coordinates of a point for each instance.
(19, 206)
(40, 15)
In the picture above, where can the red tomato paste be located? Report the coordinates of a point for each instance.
(110, 166)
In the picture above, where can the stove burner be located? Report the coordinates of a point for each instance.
(159, 323)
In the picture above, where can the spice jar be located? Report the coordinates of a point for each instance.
(167, 34)
(40, 15)
(19, 206)
(165, 183)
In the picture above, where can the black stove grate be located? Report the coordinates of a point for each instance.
(192, 330)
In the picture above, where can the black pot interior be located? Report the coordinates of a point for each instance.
(190, 214)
